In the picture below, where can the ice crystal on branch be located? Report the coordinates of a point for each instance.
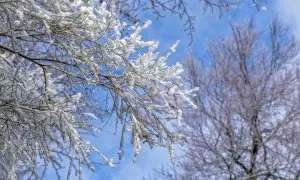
(54, 54)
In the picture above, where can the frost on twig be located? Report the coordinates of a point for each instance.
(55, 56)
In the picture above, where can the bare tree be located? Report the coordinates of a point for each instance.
(247, 124)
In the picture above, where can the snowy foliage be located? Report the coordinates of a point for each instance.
(53, 49)
(35, 122)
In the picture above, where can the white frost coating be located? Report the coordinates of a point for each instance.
(20, 14)
(172, 90)
(264, 8)
(91, 115)
(17, 22)
(111, 163)
(96, 47)
(179, 114)
(173, 48)
(136, 139)
(12, 176)
(172, 153)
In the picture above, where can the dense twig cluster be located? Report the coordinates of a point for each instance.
(246, 125)
(55, 55)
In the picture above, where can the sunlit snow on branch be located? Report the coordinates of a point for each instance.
(54, 54)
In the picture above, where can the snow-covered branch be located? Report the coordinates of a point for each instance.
(53, 51)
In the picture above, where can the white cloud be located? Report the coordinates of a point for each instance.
(288, 11)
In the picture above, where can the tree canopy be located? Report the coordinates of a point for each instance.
(246, 125)
(55, 56)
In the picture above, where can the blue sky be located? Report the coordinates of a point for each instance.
(167, 30)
